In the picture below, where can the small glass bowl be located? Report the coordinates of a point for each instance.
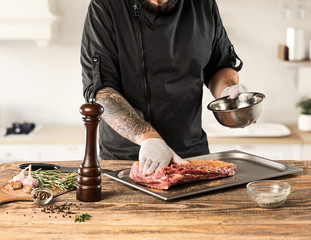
(268, 193)
(42, 196)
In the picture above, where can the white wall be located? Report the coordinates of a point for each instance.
(44, 84)
(256, 28)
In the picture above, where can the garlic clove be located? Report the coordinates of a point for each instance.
(29, 182)
(27, 189)
(15, 184)
(16, 181)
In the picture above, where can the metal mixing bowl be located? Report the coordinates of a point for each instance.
(239, 112)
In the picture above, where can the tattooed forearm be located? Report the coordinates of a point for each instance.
(120, 116)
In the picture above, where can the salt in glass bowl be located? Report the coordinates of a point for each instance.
(42, 195)
(268, 193)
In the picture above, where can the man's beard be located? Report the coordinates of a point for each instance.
(161, 8)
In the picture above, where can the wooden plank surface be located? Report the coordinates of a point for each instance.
(125, 213)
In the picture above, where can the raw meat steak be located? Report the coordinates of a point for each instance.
(175, 174)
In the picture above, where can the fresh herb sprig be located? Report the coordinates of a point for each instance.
(82, 217)
(49, 178)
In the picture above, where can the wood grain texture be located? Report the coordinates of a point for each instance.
(125, 213)
(9, 195)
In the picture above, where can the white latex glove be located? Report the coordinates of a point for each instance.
(154, 154)
(232, 91)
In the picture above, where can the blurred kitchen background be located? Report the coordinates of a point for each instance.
(41, 73)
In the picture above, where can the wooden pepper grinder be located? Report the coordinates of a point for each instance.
(89, 173)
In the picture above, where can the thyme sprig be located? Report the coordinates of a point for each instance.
(49, 178)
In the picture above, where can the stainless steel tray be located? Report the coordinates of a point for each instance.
(249, 168)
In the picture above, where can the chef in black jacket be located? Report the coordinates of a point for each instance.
(145, 62)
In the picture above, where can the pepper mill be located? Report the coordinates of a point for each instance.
(89, 172)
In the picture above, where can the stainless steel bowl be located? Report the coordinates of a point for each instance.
(239, 112)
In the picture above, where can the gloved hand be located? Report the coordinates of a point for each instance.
(232, 91)
(154, 154)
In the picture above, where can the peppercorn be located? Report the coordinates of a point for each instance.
(63, 209)
(41, 195)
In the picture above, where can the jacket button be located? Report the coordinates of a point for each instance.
(95, 59)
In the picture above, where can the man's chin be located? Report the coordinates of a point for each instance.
(158, 9)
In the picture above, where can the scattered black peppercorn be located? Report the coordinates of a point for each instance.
(65, 209)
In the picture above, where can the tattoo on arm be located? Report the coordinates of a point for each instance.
(120, 116)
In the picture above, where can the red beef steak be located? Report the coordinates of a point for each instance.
(175, 174)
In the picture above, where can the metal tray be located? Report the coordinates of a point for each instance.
(249, 168)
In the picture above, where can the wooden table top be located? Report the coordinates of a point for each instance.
(125, 213)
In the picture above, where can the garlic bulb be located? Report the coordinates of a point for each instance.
(16, 181)
(29, 182)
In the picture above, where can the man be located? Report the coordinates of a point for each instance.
(146, 61)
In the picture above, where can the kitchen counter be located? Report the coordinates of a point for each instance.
(66, 142)
(125, 213)
(295, 146)
(305, 137)
(296, 137)
(49, 134)
(74, 134)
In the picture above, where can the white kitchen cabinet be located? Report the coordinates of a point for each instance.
(10, 153)
(28, 20)
(61, 152)
(41, 152)
(306, 152)
(270, 151)
(61, 143)
(67, 152)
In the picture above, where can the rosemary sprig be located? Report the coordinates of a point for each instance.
(49, 178)
(82, 217)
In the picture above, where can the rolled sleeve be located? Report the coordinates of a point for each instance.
(99, 59)
(223, 54)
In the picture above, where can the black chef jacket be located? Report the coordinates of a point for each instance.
(159, 63)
